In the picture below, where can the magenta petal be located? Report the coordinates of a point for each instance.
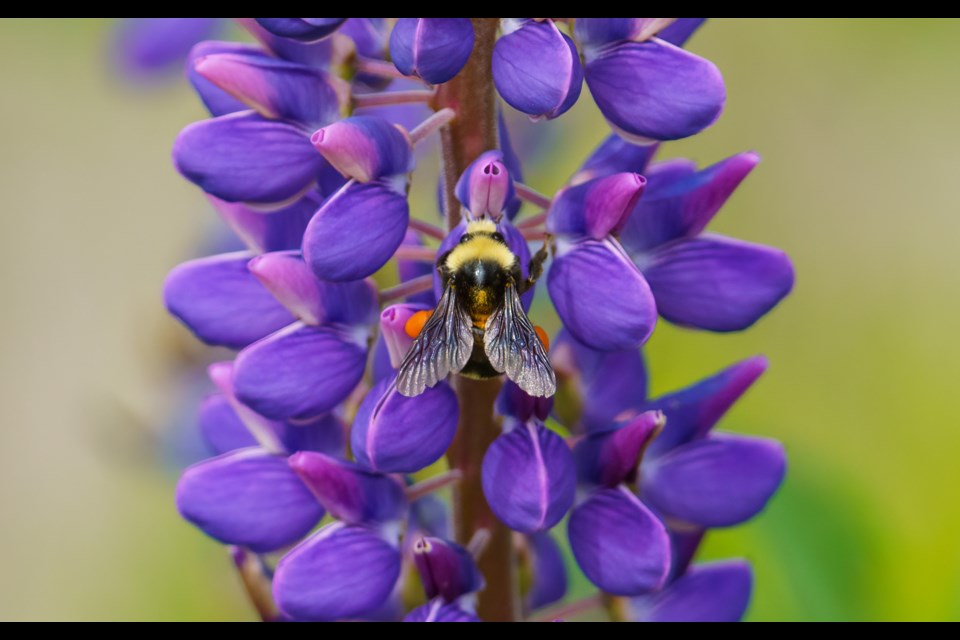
(249, 498)
(529, 478)
(245, 157)
(676, 207)
(396, 434)
(356, 231)
(437, 611)
(619, 544)
(299, 372)
(350, 493)
(273, 88)
(339, 572)
(314, 301)
(447, 569)
(715, 592)
(221, 302)
(278, 230)
(612, 458)
(717, 283)
(435, 49)
(692, 412)
(596, 208)
(365, 148)
(486, 187)
(606, 318)
(655, 91)
(217, 101)
(717, 482)
(393, 321)
(536, 69)
(549, 574)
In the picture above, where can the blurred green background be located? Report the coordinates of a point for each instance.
(857, 122)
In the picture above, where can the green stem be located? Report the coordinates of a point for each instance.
(473, 131)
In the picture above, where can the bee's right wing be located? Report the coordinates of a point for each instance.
(513, 347)
(443, 347)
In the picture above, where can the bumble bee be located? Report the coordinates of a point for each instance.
(479, 328)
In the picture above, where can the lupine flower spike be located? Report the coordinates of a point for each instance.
(396, 436)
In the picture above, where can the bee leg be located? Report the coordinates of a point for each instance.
(536, 266)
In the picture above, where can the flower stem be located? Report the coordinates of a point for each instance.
(473, 131)
(392, 97)
(408, 288)
(532, 196)
(431, 124)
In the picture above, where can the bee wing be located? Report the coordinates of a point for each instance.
(513, 347)
(443, 347)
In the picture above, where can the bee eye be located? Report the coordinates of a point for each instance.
(465, 238)
(499, 237)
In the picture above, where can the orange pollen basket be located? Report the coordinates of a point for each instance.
(544, 338)
(416, 322)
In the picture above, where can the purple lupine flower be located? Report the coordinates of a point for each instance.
(146, 47)
(306, 162)
(698, 280)
(647, 87)
(434, 49)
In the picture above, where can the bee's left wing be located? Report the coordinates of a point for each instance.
(443, 347)
(513, 347)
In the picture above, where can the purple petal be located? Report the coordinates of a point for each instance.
(301, 29)
(596, 208)
(692, 412)
(274, 88)
(655, 91)
(515, 403)
(677, 207)
(278, 230)
(486, 187)
(369, 36)
(324, 435)
(619, 544)
(717, 283)
(266, 432)
(338, 572)
(594, 33)
(435, 49)
(314, 301)
(549, 574)
(447, 569)
(348, 492)
(249, 498)
(616, 155)
(217, 101)
(356, 231)
(316, 54)
(396, 434)
(606, 318)
(609, 383)
(718, 482)
(393, 321)
(715, 592)
(220, 426)
(145, 46)
(221, 302)
(685, 544)
(365, 148)
(680, 31)
(437, 611)
(529, 478)
(410, 269)
(299, 372)
(611, 458)
(536, 69)
(245, 157)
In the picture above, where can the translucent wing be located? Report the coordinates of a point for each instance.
(513, 347)
(443, 347)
